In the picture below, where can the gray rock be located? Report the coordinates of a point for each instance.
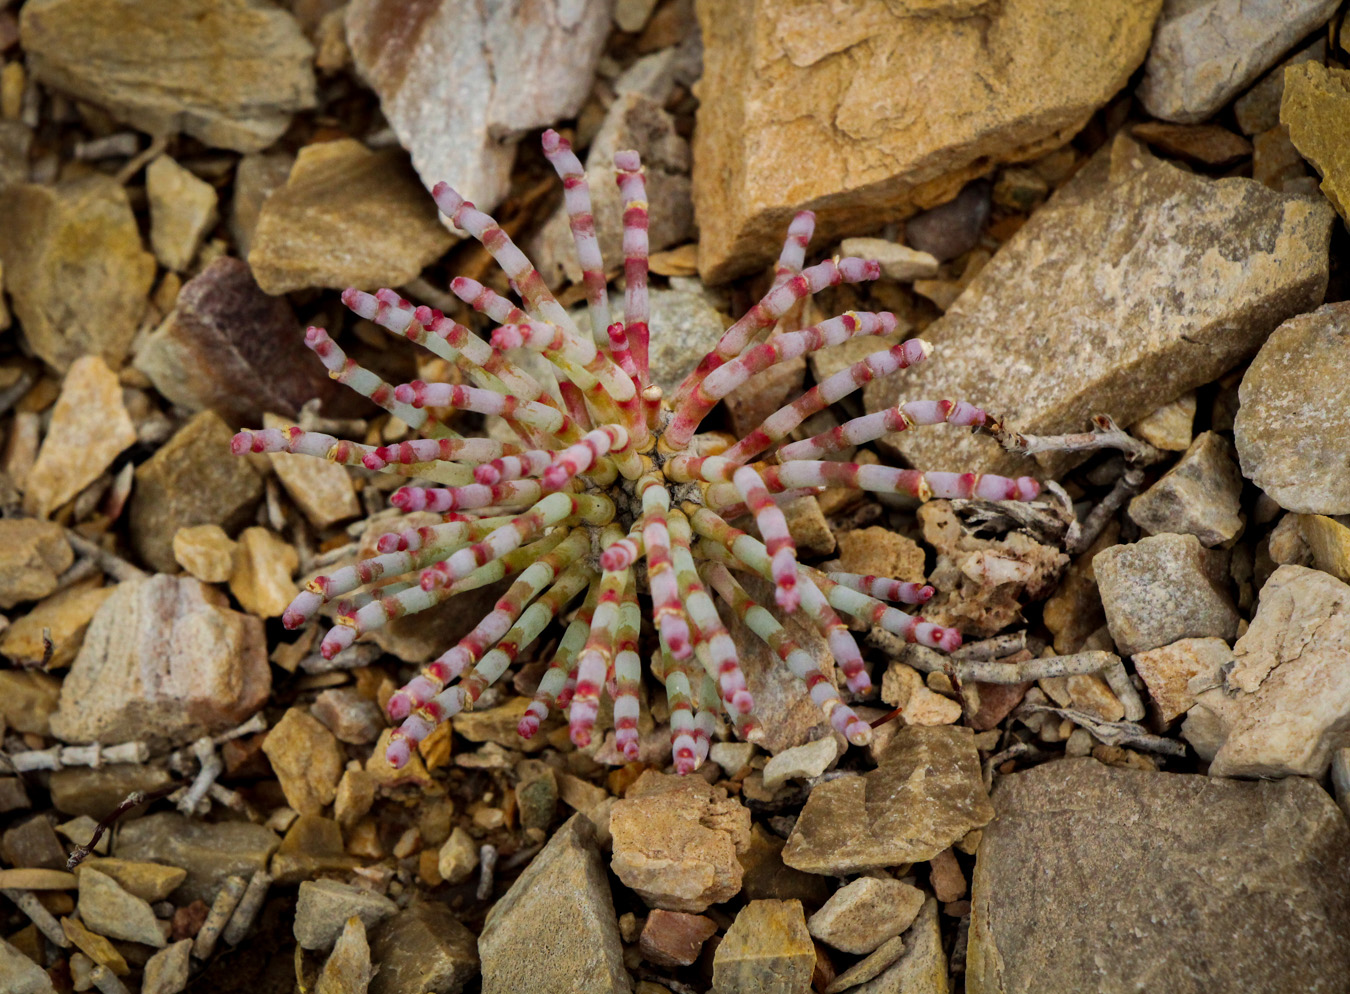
(1295, 411)
(1205, 52)
(925, 794)
(1065, 322)
(324, 906)
(1162, 589)
(515, 69)
(109, 910)
(1284, 707)
(20, 974)
(349, 716)
(423, 948)
(239, 69)
(95, 791)
(33, 843)
(166, 972)
(347, 970)
(863, 914)
(188, 482)
(1200, 495)
(686, 324)
(633, 121)
(767, 950)
(1258, 109)
(555, 929)
(164, 658)
(209, 851)
(536, 793)
(231, 348)
(922, 967)
(1215, 885)
(953, 228)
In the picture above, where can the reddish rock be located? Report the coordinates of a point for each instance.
(672, 938)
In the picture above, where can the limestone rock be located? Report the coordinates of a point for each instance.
(27, 700)
(676, 840)
(347, 216)
(76, 273)
(633, 121)
(767, 950)
(255, 179)
(264, 563)
(1169, 427)
(239, 68)
(1200, 495)
(925, 794)
(1328, 542)
(109, 910)
(903, 687)
(801, 762)
(863, 914)
(1168, 671)
(322, 490)
(458, 857)
(1295, 412)
(148, 881)
(1284, 707)
(1159, 590)
(1073, 291)
(188, 482)
(182, 212)
(516, 68)
(1234, 886)
(229, 347)
(878, 551)
(89, 429)
(163, 657)
(209, 852)
(348, 715)
(922, 966)
(22, 975)
(32, 555)
(347, 970)
(1258, 109)
(166, 972)
(422, 948)
(555, 929)
(898, 262)
(1207, 144)
(307, 760)
(205, 551)
(1205, 52)
(324, 906)
(788, 95)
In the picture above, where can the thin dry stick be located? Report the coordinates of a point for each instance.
(226, 901)
(927, 661)
(135, 798)
(1105, 434)
(29, 904)
(1126, 487)
(1115, 733)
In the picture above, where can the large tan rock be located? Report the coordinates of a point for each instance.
(1316, 109)
(868, 117)
(1136, 282)
(74, 267)
(228, 72)
(347, 216)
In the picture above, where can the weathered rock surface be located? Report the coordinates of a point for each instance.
(1315, 107)
(1201, 495)
(1295, 413)
(109, 910)
(21, 972)
(922, 966)
(676, 840)
(925, 794)
(555, 929)
(1205, 52)
(1078, 287)
(863, 914)
(264, 563)
(1162, 589)
(1328, 542)
(516, 68)
(1169, 670)
(239, 69)
(229, 347)
(188, 482)
(347, 970)
(307, 760)
(1284, 707)
(861, 120)
(63, 617)
(673, 938)
(27, 700)
(182, 211)
(166, 972)
(209, 852)
(1231, 886)
(148, 881)
(32, 555)
(163, 657)
(74, 267)
(205, 551)
(422, 948)
(1258, 109)
(347, 216)
(767, 950)
(90, 427)
(323, 907)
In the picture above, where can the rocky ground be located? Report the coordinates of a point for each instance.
(1127, 779)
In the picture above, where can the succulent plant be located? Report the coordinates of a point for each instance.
(612, 494)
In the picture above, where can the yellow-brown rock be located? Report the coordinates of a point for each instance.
(869, 117)
(1316, 109)
(63, 617)
(263, 566)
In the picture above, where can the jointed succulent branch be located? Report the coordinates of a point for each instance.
(608, 476)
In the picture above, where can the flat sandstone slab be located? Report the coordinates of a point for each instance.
(1092, 878)
(1136, 282)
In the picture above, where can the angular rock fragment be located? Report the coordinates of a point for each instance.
(166, 972)
(555, 929)
(239, 69)
(767, 950)
(32, 555)
(1315, 107)
(1284, 707)
(1328, 542)
(163, 657)
(1231, 886)
(1295, 413)
(788, 94)
(109, 910)
(1162, 589)
(673, 938)
(324, 906)
(322, 490)
(307, 760)
(861, 915)
(264, 563)
(346, 217)
(347, 970)
(1169, 670)
(209, 852)
(1078, 288)
(1199, 496)
(182, 212)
